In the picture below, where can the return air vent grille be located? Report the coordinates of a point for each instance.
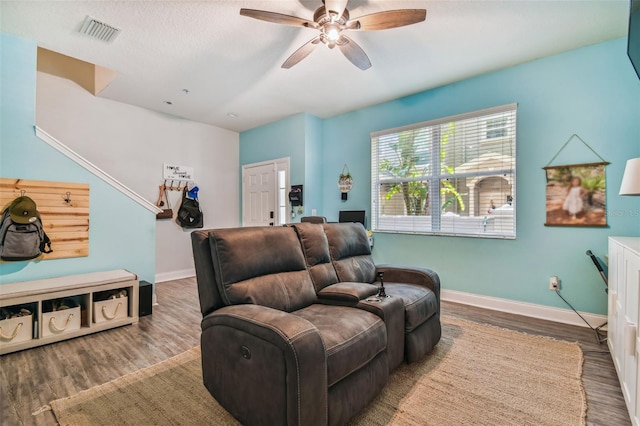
(99, 30)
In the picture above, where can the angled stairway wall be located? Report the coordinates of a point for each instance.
(122, 230)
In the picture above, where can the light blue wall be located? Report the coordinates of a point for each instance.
(298, 137)
(314, 166)
(592, 92)
(121, 234)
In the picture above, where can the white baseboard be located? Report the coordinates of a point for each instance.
(175, 275)
(549, 313)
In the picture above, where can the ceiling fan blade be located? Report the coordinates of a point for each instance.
(353, 52)
(302, 52)
(278, 18)
(388, 19)
(337, 6)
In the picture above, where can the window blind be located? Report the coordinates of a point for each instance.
(450, 176)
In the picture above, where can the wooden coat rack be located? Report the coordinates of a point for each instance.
(64, 209)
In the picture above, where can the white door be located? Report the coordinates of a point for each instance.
(259, 187)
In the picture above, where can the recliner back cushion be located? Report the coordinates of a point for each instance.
(350, 252)
(316, 252)
(208, 293)
(261, 265)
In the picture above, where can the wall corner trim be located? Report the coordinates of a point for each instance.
(77, 158)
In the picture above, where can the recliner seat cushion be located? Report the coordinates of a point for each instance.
(261, 265)
(352, 337)
(420, 303)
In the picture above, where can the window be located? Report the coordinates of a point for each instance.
(451, 176)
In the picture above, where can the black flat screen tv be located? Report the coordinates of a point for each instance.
(633, 41)
(352, 216)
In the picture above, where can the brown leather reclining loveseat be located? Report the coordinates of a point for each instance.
(292, 330)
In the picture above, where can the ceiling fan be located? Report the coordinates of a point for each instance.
(331, 19)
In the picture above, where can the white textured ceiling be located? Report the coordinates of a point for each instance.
(231, 63)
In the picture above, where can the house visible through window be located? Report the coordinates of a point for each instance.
(497, 127)
(451, 176)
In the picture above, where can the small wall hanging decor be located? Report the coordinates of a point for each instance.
(345, 182)
(296, 199)
(576, 193)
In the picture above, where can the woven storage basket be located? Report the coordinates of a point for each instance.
(110, 310)
(60, 322)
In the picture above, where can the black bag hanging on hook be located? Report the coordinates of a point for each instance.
(189, 214)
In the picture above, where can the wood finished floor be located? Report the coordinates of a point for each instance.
(32, 378)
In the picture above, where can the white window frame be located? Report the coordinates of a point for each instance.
(498, 223)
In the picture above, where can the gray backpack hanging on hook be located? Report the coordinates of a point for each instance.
(189, 214)
(22, 235)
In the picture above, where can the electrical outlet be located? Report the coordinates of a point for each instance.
(554, 283)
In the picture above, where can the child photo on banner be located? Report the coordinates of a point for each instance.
(576, 195)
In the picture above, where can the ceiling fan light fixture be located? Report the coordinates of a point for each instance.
(332, 31)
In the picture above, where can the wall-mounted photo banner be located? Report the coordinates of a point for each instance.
(576, 195)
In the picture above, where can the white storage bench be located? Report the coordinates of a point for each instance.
(55, 309)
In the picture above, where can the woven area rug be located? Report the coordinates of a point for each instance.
(477, 375)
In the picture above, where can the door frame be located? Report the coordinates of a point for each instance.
(279, 164)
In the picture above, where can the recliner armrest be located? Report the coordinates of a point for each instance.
(265, 366)
(411, 275)
(346, 293)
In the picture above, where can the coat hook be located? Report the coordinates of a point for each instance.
(67, 199)
(22, 192)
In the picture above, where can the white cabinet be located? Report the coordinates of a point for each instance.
(624, 301)
(60, 308)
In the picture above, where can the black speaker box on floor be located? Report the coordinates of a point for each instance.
(145, 297)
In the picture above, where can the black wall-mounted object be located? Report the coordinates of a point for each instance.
(296, 195)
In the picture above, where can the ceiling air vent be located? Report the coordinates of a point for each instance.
(99, 30)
